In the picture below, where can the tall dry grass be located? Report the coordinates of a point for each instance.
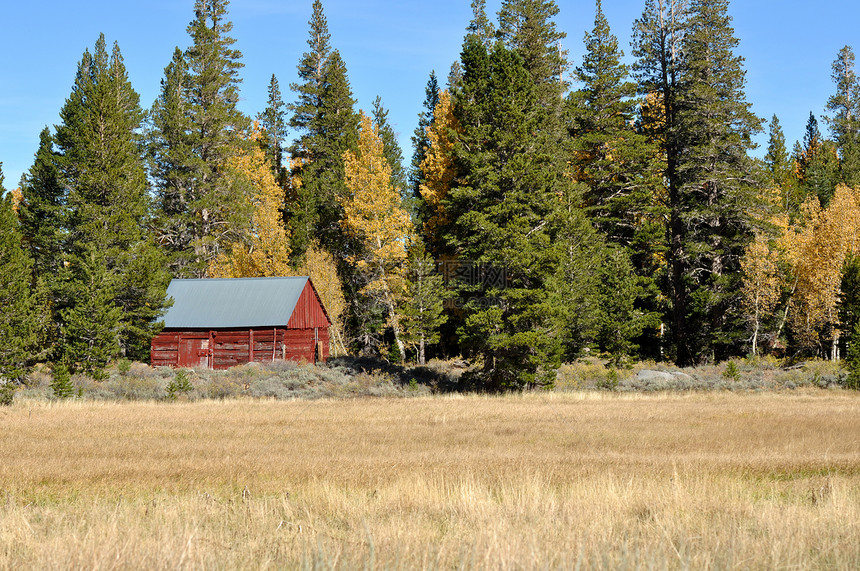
(537, 481)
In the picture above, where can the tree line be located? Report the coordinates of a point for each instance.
(539, 218)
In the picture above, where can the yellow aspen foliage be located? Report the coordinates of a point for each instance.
(264, 250)
(438, 164)
(816, 250)
(375, 217)
(762, 284)
(17, 198)
(321, 267)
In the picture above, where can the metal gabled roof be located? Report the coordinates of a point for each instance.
(233, 302)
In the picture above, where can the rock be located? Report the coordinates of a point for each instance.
(654, 376)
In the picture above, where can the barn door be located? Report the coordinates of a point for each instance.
(193, 352)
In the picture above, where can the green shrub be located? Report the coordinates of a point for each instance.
(62, 382)
(610, 381)
(732, 372)
(123, 366)
(179, 385)
(7, 394)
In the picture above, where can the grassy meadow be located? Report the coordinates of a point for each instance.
(552, 480)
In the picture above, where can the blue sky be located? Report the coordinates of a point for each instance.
(389, 47)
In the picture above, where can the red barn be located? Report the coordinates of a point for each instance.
(219, 323)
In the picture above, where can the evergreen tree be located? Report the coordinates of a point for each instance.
(391, 148)
(717, 176)
(61, 382)
(92, 326)
(170, 155)
(780, 169)
(108, 201)
(327, 126)
(616, 164)
(216, 129)
(335, 132)
(423, 310)
(619, 322)
(273, 123)
(42, 209)
(17, 320)
(845, 121)
(505, 219)
(853, 359)
(420, 142)
(198, 129)
(311, 71)
(527, 27)
(849, 296)
(687, 57)
(480, 26)
(817, 164)
(43, 226)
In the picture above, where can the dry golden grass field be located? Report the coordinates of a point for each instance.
(588, 480)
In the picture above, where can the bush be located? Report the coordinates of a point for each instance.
(123, 366)
(732, 372)
(179, 385)
(610, 381)
(7, 394)
(62, 382)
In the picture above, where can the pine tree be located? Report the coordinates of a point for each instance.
(311, 72)
(687, 57)
(616, 164)
(480, 27)
(91, 327)
(108, 201)
(504, 219)
(420, 142)
(198, 129)
(17, 321)
(273, 122)
(327, 126)
(849, 297)
(845, 121)
(216, 127)
(43, 216)
(391, 148)
(423, 310)
(42, 209)
(336, 133)
(527, 27)
(170, 156)
(817, 164)
(619, 322)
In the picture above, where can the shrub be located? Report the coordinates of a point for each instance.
(123, 366)
(610, 381)
(732, 372)
(7, 394)
(179, 385)
(135, 388)
(62, 382)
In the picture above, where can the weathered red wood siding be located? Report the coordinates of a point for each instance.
(228, 348)
(309, 312)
